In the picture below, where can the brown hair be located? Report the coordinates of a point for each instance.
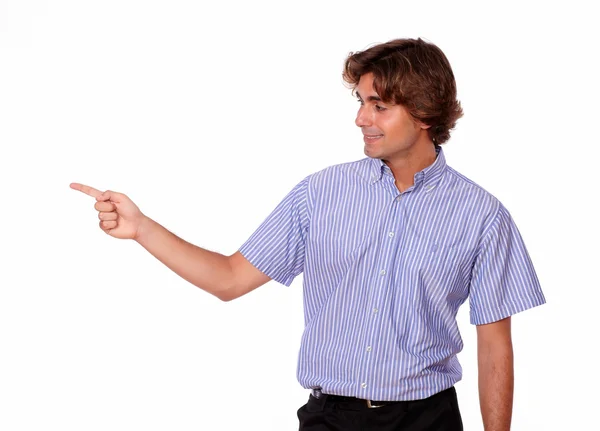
(412, 73)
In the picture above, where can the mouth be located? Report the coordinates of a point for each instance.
(371, 138)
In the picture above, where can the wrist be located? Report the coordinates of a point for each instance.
(143, 228)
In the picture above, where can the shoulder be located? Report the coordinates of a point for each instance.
(358, 169)
(459, 181)
(335, 177)
(475, 196)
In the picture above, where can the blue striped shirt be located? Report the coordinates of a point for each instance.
(386, 272)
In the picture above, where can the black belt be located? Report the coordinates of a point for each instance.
(369, 403)
(359, 402)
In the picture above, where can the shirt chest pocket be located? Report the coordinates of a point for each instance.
(438, 254)
(435, 271)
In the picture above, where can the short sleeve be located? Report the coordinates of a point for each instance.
(277, 247)
(503, 281)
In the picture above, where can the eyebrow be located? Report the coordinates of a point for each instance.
(370, 98)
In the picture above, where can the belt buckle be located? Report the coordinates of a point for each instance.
(371, 406)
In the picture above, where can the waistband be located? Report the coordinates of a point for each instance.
(371, 404)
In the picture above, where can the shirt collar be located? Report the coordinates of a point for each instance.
(428, 177)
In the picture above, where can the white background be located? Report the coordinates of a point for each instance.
(206, 115)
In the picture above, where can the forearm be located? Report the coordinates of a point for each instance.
(496, 383)
(205, 269)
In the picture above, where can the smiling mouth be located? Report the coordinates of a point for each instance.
(371, 138)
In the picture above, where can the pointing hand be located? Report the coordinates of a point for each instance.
(119, 216)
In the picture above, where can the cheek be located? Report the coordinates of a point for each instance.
(395, 128)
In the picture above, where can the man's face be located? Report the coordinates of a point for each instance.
(389, 130)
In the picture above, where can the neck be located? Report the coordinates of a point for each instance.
(407, 165)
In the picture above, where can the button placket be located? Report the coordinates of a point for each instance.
(380, 286)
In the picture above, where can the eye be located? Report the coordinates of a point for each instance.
(380, 108)
(360, 101)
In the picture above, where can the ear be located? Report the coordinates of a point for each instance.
(423, 125)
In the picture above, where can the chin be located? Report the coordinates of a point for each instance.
(374, 154)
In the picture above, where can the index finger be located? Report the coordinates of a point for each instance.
(90, 191)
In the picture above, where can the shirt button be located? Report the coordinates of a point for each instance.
(369, 348)
(364, 385)
(399, 198)
(375, 310)
(382, 272)
(391, 234)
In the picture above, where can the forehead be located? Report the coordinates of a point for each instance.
(365, 87)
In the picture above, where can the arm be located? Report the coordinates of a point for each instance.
(496, 376)
(226, 277)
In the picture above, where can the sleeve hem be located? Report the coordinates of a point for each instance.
(490, 316)
(279, 278)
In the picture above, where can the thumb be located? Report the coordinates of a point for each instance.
(109, 195)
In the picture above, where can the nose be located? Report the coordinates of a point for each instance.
(363, 119)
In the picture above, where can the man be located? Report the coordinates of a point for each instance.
(390, 247)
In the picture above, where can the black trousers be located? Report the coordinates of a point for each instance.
(330, 413)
